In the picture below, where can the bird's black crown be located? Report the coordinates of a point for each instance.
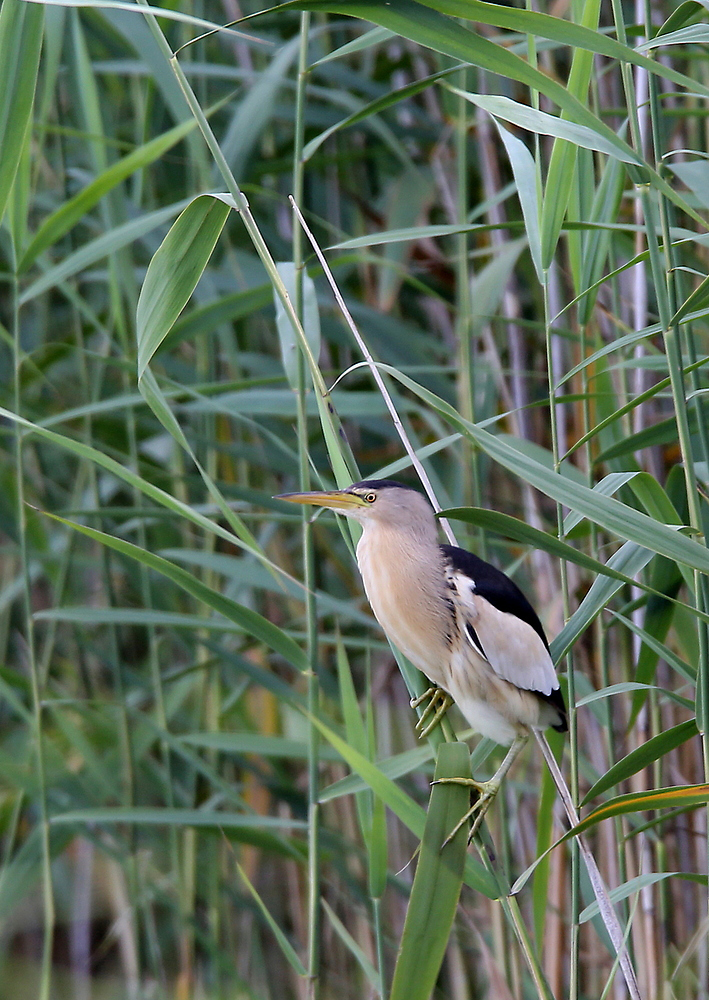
(381, 484)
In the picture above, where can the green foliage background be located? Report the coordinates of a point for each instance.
(209, 780)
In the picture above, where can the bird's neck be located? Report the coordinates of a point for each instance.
(404, 578)
(398, 567)
(389, 548)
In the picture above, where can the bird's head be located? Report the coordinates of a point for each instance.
(375, 501)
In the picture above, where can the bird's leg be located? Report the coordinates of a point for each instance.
(487, 790)
(439, 703)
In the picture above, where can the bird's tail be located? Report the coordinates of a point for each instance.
(608, 914)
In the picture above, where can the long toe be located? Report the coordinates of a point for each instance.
(487, 796)
(479, 786)
(445, 703)
(426, 712)
(439, 703)
(487, 790)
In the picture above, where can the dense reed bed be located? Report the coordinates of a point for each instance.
(210, 784)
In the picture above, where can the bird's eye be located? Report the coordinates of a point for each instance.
(370, 497)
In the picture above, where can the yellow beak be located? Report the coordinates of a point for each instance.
(335, 500)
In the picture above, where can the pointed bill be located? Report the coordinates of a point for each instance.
(335, 499)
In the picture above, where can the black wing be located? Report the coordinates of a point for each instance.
(495, 587)
(504, 595)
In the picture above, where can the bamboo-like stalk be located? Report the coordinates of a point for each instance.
(640, 319)
(463, 318)
(551, 310)
(185, 851)
(601, 638)
(313, 691)
(37, 691)
(114, 658)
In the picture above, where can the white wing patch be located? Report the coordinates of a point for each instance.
(513, 648)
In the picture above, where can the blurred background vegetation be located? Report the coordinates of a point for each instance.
(515, 209)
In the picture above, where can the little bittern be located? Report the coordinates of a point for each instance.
(461, 621)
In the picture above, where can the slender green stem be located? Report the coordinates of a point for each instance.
(380, 943)
(33, 666)
(573, 735)
(600, 633)
(464, 328)
(313, 695)
(298, 140)
(514, 916)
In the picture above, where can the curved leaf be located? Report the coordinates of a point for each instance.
(252, 623)
(657, 798)
(677, 797)
(634, 885)
(21, 28)
(541, 123)
(512, 527)
(645, 754)
(614, 516)
(175, 269)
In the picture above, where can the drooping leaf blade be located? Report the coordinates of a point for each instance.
(251, 621)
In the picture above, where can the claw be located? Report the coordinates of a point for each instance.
(428, 693)
(439, 703)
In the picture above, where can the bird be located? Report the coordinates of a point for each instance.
(464, 623)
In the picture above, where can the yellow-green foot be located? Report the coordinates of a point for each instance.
(439, 701)
(487, 790)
